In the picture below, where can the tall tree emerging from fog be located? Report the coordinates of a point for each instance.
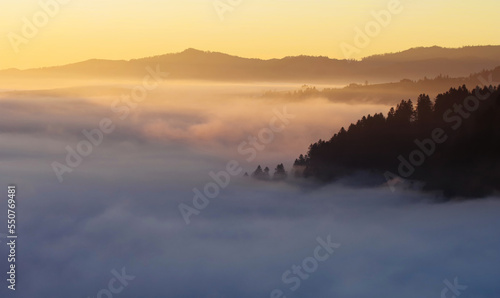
(279, 172)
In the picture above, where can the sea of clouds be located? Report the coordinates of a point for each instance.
(118, 210)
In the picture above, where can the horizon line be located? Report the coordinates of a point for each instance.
(217, 52)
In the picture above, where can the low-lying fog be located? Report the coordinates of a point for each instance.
(118, 207)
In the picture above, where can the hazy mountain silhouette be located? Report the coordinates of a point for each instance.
(194, 64)
(390, 93)
(426, 53)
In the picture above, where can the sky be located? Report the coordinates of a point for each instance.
(76, 30)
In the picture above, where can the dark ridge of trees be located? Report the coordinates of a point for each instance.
(279, 173)
(451, 144)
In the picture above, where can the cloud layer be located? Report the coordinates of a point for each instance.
(119, 208)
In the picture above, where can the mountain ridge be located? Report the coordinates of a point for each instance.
(191, 63)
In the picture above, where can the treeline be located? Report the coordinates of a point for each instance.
(451, 143)
(279, 173)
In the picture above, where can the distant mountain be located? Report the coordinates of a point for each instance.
(194, 64)
(391, 93)
(429, 53)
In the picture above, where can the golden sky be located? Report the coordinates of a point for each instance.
(69, 31)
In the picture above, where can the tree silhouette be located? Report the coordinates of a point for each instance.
(424, 109)
(404, 113)
(258, 172)
(279, 172)
(261, 174)
(266, 173)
